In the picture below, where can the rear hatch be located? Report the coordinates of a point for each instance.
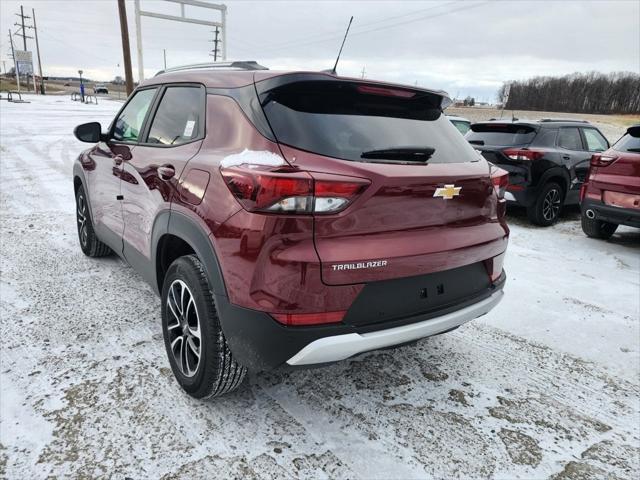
(505, 145)
(430, 204)
(617, 171)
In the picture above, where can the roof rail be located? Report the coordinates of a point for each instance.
(237, 65)
(546, 120)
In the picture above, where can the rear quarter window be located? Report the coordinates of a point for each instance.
(595, 141)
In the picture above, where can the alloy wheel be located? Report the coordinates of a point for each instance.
(551, 204)
(183, 326)
(82, 220)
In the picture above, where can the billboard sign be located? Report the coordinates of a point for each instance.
(24, 61)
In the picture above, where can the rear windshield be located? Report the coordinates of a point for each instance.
(500, 134)
(344, 120)
(628, 143)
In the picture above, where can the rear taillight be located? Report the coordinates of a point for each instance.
(500, 180)
(298, 319)
(523, 154)
(287, 190)
(583, 190)
(600, 160)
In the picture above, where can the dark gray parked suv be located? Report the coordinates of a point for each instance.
(547, 160)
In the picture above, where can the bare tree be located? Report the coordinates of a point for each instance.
(592, 92)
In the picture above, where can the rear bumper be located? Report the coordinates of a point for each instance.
(260, 343)
(611, 214)
(340, 347)
(525, 197)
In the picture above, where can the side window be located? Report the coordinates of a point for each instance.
(128, 125)
(595, 141)
(569, 138)
(180, 116)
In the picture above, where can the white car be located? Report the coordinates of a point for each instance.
(100, 89)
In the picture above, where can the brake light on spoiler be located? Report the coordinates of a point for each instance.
(291, 191)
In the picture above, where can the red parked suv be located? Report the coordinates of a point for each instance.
(291, 218)
(610, 196)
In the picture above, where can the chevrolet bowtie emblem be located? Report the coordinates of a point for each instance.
(447, 192)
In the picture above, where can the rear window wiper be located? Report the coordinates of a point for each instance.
(476, 142)
(634, 150)
(412, 154)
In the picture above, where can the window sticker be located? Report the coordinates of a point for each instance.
(188, 128)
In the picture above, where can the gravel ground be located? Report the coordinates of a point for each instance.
(546, 385)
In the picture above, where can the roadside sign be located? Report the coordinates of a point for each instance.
(24, 61)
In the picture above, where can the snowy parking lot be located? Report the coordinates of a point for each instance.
(546, 385)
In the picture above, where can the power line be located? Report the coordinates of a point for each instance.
(330, 35)
(464, 6)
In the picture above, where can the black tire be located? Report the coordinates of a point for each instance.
(89, 243)
(216, 372)
(546, 210)
(597, 228)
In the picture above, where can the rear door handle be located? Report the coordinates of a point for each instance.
(566, 157)
(166, 172)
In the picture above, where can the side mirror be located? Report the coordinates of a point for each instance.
(88, 132)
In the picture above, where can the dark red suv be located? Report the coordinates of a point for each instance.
(610, 196)
(291, 218)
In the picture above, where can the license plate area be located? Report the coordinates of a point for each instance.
(622, 200)
(391, 300)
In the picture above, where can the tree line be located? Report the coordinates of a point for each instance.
(593, 92)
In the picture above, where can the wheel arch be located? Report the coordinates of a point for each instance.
(558, 175)
(176, 234)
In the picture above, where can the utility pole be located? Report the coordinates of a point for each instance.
(126, 51)
(164, 53)
(215, 41)
(15, 63)
(363, 72)
(35, 30)
(136, 6)
(23, 33)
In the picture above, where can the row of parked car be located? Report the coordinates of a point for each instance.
(558, 162)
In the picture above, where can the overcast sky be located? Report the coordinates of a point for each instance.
(465, 47)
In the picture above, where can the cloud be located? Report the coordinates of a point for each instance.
(466, 48)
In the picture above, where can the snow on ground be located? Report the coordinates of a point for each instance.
(546, 385)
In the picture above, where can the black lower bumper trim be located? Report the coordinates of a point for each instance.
(611, 214)
(260, 343)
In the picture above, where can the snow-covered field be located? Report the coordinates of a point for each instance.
(546, 385)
